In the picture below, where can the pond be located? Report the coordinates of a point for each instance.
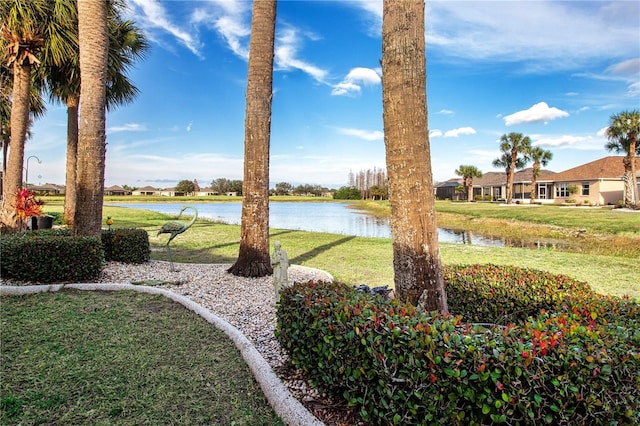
(334, 218)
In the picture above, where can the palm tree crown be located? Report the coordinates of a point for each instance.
(623, 133)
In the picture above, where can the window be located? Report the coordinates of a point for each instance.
(562, 190)
(585, 188)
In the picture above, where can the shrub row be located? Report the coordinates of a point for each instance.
(53, 255)
(126, 245)
(401, 366)
(47, 258)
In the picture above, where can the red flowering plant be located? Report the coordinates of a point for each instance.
(27, 205)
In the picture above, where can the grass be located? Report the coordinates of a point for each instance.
(124, 358)
(357, 260)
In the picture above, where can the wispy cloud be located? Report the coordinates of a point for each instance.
(129, 127)
(189, 126)
(445, 112)
(287, 54)
(454, 133)
(435, 133)
(549, 34)
(355, 79)
(540, 112)
(368, 135)
(151, 15)
(571, 141)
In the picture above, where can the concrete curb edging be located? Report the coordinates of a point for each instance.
(290, 410)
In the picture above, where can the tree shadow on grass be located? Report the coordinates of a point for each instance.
(316, 251)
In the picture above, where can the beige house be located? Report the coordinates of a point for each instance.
(116, 190)
(599, 182)
(146, 190)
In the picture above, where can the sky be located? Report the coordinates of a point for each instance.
(552, 70)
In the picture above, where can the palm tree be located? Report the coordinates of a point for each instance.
(23, 26)
(512, 145)
(623, 137)
(253, 259)
(539, 157)
(126, 44)
(468, 173)
(416, 259)
(93, 42)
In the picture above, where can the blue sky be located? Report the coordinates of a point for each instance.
(555, 71)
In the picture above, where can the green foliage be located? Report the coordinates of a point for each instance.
(185, 186)
(51, 256)
(506, 294)
(126, 245)
(578, 363)
(347, 193)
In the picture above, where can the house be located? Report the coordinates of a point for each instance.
(116, 190)
(203, 192)
(146, 190)
(171, 192)
(599, 182)
(494, 184)
(47, 189)
(447, 190)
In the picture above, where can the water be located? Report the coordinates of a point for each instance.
(334, 218)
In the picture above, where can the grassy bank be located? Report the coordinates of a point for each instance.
(357, 260)
(126, 358)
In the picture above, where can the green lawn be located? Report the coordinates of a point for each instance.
(357, 260)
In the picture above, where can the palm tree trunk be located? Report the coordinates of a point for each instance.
(509, 188)
(416, 262)
(93, 40)
(534, 181)
(72, 156)
(19, 123)
(253, 258)
(635, 197)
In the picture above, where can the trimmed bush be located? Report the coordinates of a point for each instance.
(400, 366)
(51, 256)
(126, 245)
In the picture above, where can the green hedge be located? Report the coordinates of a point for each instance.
(126, 245)
(575, 364)
(54, 255)
(50, 257)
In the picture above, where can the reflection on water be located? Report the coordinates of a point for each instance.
(335, 218)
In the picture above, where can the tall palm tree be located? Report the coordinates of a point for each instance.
(253, 259)
(514, 147)
(416, 258)
(93, 41)
(468, 173)
(23, 26)
(539, 157)
(623, 137)
(126, 45)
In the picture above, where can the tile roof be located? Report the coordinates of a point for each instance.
(605, 168)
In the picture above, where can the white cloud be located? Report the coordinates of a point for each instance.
(151, 15)
(129, 127)
(189, 126)
(356, 78)
(572, 142)
(287, 48)
(454, 133)
(435, 133)
(445, 112)
(548, 35)
(540, 112)
(367, 135)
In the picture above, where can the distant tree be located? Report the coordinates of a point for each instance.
(364, 180)
(283, 188)
(224, 185)
(514, 147)
(347, 193)
(539, 157)
(253, 258)
(185, 186)
(623, 133)
(307, 189)
(379, 192)
(468, 173)
(418, 275)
